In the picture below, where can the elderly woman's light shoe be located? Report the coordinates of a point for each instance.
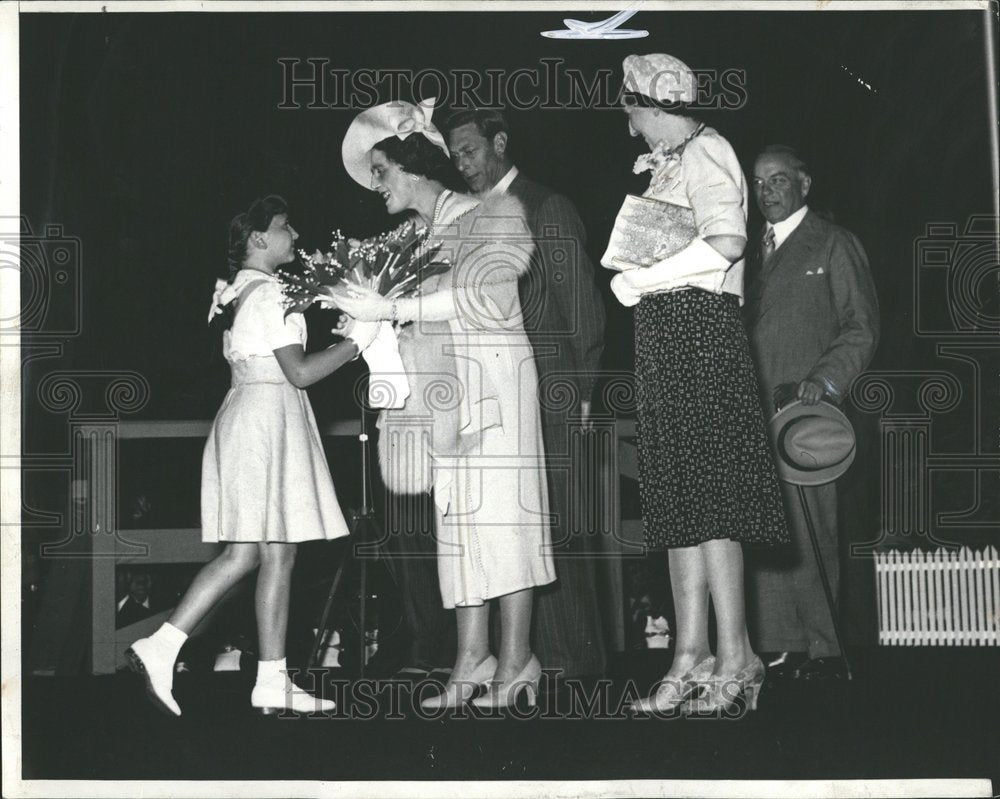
(721, 694)
(671, 694)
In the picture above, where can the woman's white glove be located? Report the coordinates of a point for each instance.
(627, 295)
(362, 303)
(699, 264)
(361, 333)
(387, 383)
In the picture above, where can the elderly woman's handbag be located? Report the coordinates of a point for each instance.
(647, 231)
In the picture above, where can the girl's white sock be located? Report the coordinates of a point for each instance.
(170, 639)
(270, 669)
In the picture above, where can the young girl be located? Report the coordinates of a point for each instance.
(265, 482)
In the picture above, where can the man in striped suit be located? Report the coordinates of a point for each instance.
(564, 318)
(812, 317)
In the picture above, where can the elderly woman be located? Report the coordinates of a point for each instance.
(470, 426)
(707, 478)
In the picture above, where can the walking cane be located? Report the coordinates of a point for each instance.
(814, 445)
(826, 582)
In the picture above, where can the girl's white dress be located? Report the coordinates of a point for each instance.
(264, 474)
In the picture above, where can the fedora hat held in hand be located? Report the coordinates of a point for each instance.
(813, 444)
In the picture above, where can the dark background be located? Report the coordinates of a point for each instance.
(143, 134)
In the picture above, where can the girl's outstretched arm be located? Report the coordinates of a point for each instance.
(303, 369)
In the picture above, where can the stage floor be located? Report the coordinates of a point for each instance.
(908, 713)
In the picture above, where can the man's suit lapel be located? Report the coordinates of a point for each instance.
(522, 188)
(790, 257)
(527, 191)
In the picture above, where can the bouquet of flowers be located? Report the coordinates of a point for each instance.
(391, 264)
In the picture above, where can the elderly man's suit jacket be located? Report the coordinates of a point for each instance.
(811, 311)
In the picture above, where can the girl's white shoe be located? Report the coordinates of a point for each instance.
(279, 693)
(156, 666)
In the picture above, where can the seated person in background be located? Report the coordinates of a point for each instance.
(135, 605)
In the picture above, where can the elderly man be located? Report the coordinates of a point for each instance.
(812, 317)
(564, 318)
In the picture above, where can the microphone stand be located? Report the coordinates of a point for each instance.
(364, 530)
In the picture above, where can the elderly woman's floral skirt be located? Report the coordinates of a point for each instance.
(705, 465)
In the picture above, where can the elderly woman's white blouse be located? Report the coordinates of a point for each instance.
(708, 180)
(260, 326)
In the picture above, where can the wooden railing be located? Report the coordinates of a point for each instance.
(613, 443)
(113, 546)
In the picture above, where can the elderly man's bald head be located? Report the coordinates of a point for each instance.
(781, 182)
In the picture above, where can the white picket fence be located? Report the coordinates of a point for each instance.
(939, 598)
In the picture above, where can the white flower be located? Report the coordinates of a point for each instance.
(662, 155)
(224, 294)
(656, 160)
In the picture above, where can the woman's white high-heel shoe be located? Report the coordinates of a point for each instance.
(671, 694)
(148, 659)
(504, 694)
(280, 693)
(720, 698)
(458, 692)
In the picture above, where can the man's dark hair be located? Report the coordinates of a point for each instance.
(797, 161)
(487, 121)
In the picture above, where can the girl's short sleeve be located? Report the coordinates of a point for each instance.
(272, 327)
(715, 187)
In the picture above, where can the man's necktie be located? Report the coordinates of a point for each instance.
(767, 246)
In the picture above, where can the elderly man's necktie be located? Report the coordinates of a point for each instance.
(767, 246)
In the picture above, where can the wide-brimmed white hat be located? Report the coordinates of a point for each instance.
(661, 77)
(814, 444)
(398, 119)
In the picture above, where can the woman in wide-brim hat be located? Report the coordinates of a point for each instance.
(471, 370)
(707, 476)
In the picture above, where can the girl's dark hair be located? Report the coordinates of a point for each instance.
(256, 218)
(417, 156)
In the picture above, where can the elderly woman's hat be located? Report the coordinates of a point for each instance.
(398, 119)
(660, 77)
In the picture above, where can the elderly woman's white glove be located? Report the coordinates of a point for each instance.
(627, 295)
(699, 264)
(363, 303)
